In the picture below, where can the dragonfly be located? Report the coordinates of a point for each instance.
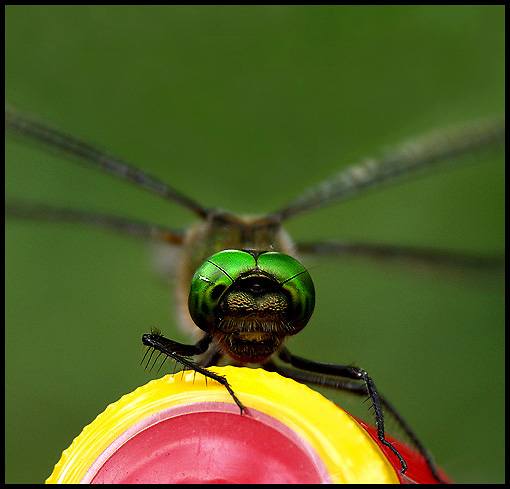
(241, 289)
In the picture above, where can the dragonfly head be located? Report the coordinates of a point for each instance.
(251, 301)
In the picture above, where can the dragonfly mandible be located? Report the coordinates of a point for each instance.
(249, 292)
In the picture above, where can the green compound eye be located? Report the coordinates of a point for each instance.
(295, 279)
(219, 272)
(211, 280)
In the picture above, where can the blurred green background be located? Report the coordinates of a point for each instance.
(242, 108)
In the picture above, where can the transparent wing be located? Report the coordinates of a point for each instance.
(440, 148)
(429, 261)
(394, 252)
(25, 125)
(22, 209)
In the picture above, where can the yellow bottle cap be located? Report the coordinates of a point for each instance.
(182, 428)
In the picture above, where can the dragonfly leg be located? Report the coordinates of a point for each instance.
(179, 351)
(316, 373)
(353, 373)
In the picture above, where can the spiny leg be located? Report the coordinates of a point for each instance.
(358, 389)
(179, 351)
(353, 373)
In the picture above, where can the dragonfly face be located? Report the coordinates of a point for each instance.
(250, 301)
